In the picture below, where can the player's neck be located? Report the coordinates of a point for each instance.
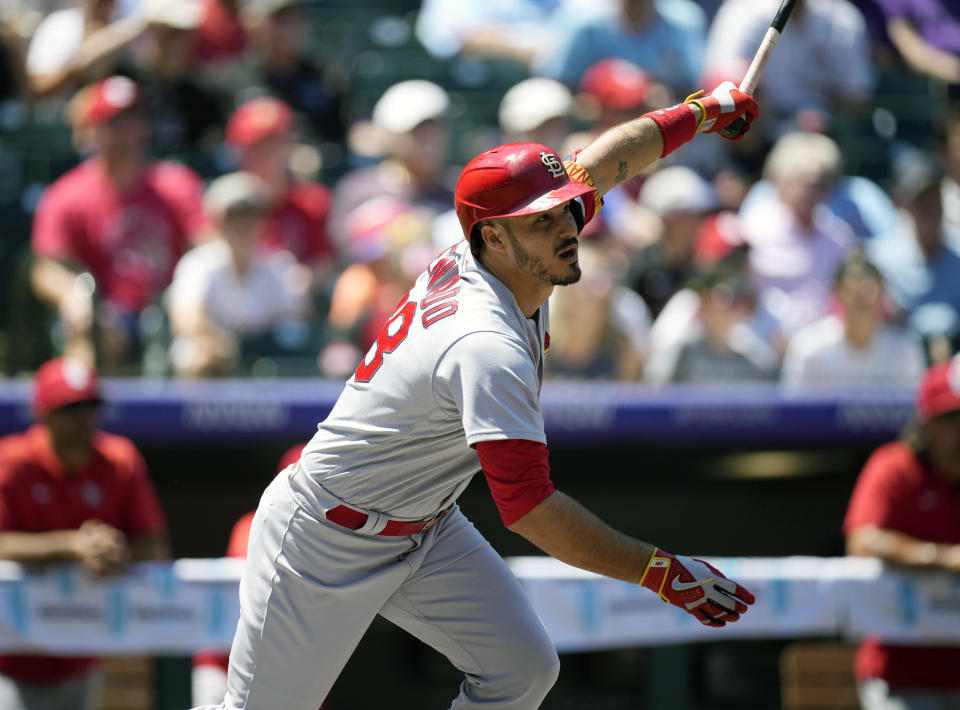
(530, 293)
(72, 457)
(124, 171)
(859, 329)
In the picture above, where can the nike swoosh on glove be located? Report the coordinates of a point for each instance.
(697, 587)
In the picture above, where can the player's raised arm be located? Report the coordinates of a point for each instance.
(624, 150)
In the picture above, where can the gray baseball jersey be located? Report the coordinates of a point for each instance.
(457, 363)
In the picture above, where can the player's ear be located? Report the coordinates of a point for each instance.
(492, 235)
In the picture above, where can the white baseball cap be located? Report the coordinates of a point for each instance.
(406, 105)
(236, 192)
(532, 102)
(677, 189)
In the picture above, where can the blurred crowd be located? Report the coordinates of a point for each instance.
(246, 192)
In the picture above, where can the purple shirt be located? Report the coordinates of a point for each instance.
(937, 21)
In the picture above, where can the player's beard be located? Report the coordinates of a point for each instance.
(534, 266)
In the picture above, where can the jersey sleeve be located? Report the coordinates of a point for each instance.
(518, 474)
(591, 203)
(875, 495)
(490, 380)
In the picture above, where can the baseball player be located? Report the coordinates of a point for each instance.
(366, 522)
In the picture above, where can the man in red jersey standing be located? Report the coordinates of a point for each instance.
(905, 509)
(71, 493)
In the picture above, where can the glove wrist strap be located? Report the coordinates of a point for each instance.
(695, 100)
(656, 573)
(677, 124)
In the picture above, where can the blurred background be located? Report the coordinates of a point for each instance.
(236, 193)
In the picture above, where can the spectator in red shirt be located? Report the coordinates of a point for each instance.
(262, 131)
(69, 492)
(109, 232)
(209, 680)
(904, 510)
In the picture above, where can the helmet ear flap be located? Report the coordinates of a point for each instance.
(576, 209)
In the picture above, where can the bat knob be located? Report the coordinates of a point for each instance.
(734, 130)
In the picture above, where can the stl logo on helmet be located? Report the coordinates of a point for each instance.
(554, 166)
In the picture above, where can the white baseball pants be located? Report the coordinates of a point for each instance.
(311, 588)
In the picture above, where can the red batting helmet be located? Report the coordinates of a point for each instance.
(939, 391)
(512, 180)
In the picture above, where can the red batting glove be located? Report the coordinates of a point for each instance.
(721, 107)
(697, 587)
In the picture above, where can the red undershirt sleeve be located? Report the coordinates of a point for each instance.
(518, 473)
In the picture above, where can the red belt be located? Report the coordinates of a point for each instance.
(354, 520)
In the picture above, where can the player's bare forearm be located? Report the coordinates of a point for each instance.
(621, 152)
(52, 280)
(920, 55)
(564, 529)
(901, 549)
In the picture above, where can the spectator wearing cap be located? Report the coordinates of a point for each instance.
(918, 264)
(108, 233)
(613, 90)
(719, 346)
(718, 252)
(855, 347)
(411, 122)
(261, 131)
(796, 243)
(81, 44)
(822, 64)
(228, 301)
(679, 199)
(388, 245)
(664, 38)
(536, 110)
(69, 492)
(278, 61)
(904, 510)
